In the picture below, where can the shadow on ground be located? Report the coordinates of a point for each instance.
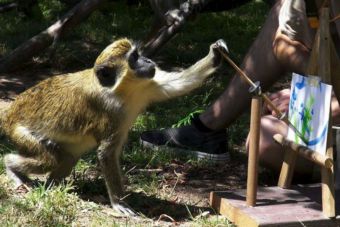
(148, 205)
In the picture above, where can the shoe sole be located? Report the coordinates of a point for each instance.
(214, 158)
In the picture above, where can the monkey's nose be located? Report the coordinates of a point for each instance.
(149, 61)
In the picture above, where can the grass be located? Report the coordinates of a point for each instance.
(162, 187)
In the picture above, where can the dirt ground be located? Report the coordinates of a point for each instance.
(188, 186)
(15, 83)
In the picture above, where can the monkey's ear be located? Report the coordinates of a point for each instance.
(107, 75)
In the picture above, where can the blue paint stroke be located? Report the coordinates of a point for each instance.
(320, 86)
(300, 85)
(297, 85)
(319, 139)
(293, 99)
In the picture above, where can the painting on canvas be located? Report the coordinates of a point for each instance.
(309, 108)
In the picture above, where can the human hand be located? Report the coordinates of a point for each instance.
(280, 99)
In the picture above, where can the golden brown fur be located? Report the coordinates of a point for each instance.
(61, 118)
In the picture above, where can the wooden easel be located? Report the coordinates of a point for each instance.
(319, 64)
(247, 213)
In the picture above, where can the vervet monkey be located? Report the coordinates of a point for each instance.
(57, 121)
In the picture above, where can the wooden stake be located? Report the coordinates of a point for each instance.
(255, 121)
(327, 175)
(287, 169)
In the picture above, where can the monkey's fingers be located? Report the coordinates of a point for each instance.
(222, 46)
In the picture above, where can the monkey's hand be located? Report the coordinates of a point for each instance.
(216, 48)
(221, 46)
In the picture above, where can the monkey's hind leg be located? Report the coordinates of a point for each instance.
(18, 166)
(62, 170)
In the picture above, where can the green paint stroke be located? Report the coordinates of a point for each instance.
(306, 118)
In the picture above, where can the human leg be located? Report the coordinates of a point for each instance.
(271, 55)
(194, 139)
(271, 154)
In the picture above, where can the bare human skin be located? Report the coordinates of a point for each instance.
(272, 55)
(271, 154)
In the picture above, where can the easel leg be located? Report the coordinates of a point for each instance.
(327, 180)
(327, 175)
(255, 121)
(287, 169)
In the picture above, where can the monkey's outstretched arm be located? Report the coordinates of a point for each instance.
(172, 84)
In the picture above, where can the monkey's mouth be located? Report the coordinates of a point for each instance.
(146, 73)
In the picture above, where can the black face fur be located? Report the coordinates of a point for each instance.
(106, 75)
(143, 67)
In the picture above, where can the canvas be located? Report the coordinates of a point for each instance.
(309, 108)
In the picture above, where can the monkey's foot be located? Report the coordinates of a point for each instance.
(17, 178)
(23, 189)
(123, 209)
(54, 182)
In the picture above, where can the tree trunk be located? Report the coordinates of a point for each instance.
(166, 32)
(5, 7)
(38, 43)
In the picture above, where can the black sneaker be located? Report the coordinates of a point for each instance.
(212, 146)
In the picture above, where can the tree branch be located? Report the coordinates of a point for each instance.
(38, 43)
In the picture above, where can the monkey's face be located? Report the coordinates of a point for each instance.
(120, 66)
(141, 66)
(130, 66)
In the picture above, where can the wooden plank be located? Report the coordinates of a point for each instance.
(327, 175)
(254, 142)
(232, 212)
(299, 206)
